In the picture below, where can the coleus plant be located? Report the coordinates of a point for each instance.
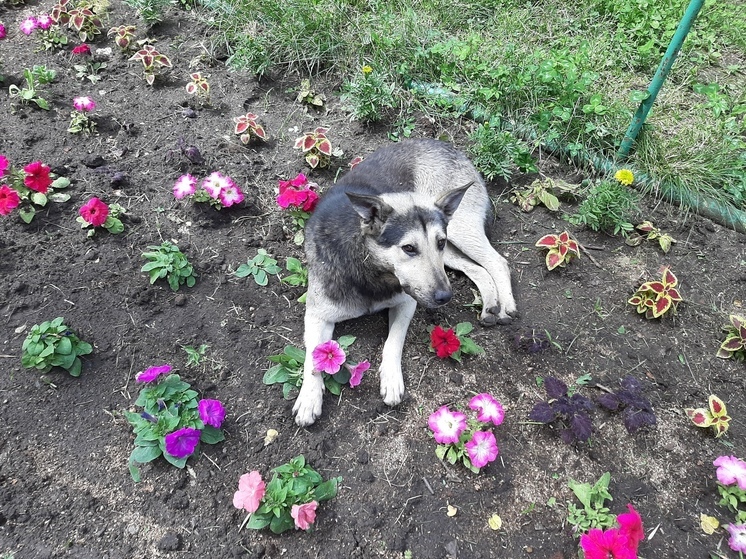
(152, 62)
(124, 35)
(571, 412)
(734, 344)
(562, 249)
(81, 17)
(247, 128)
(650, 232)
(716, 417)
(657, 298)
(316, 147)
(198, 86)
(637, 411)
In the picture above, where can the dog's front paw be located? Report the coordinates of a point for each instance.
(392, 385)
(307, 407)
(498, 315)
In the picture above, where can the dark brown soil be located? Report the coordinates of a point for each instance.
(65, 490)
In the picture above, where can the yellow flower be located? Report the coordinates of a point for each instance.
(624, 176)
(367, 69)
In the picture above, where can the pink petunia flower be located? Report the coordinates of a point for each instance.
(298, 192)
(304, 515)
(84, 104)
(4, 164)
(82, 50)
(230, 194)
(447, 425)
(606, 544)
(482, 448)
(182, 443)
(630, 526)
(251, 489)
(211, 412)
(215, 183)
(9, 199)
(731, 470)
(488, 408)
(3, 32)
(185, 186)
(95, 212)
(357, 372)
(28, 25)
(152, 373)
(37, 177)
(44, 22)
(328, 357)
(737, 541)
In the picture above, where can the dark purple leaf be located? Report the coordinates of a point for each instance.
(631, 383)
(609, 401)
(634, 400)
(581, 426)
(567, 436)
(543, 413)
(636, 419)
(555, 388)
(563, 406)
(581, 402)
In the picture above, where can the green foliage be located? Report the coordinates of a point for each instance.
(167, 261)
(734, 499)
(468, 346)
(544, 191)
(52, 38)
(496, 152)
(53, 344)
(594, 513)
(195, 355)
(89, 71)
(260, 268)
(368, 94)
(609, 207)
(151, 11)
(35, 77)
(298, 273)
(294, 483)
(734, 344)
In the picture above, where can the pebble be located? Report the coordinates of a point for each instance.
(180, 300)
(132, 529)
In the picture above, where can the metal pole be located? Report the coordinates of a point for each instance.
(660, 76)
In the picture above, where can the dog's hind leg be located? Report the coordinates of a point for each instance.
(307, 408)
(453, 259)
(392, 381)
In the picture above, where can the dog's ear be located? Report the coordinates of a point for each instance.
(370, 208)
(448, 202)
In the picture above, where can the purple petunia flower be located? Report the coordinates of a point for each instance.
(3, 32)
(44, 22)
(328, 357)
(84, 104)
(182, 443)
(152, 373)
(211, 412)
(447, 425)
(215, 183)
(482, 448)
(737, 541)
(488, 408)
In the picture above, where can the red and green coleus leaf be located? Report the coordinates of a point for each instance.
(324, 146)
(548, 241)
(661, 306)
(699, 416)
(669, 279)
(242, 125)
(717, 406)
(308, 143)
(259, 131)
(313, 160)
(554, 258)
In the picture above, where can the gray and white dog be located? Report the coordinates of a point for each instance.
(379, 239)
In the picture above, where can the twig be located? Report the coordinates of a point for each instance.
(405, 507)
(427, 484)
(588, 254)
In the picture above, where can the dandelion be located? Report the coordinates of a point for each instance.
(182, 443)
(447, 425)
(28, 25)
(624, 176)
(482, 448)
(185, 186)
(9, 199)
(152, 373)
(367, 69)
(304, 515)
(356, 373)
(95, 212)
(444, 342)
(211, 412)
(37, 177)
(487, 408)
(251, 489)
(84, 104)
(328, 357)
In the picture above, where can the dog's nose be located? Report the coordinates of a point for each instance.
(442, 296)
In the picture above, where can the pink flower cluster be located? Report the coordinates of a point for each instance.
(218, 187)
(251, 490)
(329, 357)
(84, 104)
(448, 427)
(732, 470)
(32, 23)
(298, 193)
(36, 177)
(615, 543)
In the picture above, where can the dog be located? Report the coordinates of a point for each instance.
(379, 239)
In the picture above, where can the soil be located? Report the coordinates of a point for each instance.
(65, 489)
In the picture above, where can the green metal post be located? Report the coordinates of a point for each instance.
(660, 76)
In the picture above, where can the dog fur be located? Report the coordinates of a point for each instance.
(377, 240)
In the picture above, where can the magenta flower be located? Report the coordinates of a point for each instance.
(731, 470)
(298, 192)
(84, 104)
(37, 176)
(211, 412)
(215, 183)
(44, 22)
(95, 212)
(4, 164)
(304, 515)
(328, 357)
(82, 49)
(28, 25)
(185, 186)
(3, 32)
(251, 489)
(737, 541)
(182, 443)
(447, 425)
(9, 199)
(152, 373)
(630, 526)
(230, 194)
(606, 544)
(357, 372)
(482, 448)
(488, 408)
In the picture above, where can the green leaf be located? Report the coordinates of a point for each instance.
(145, 454)
(259, 521)
(76, 368)
(27, 214)
(260, 277)
(440, 451)
(295, 353)
(346, 341)
(134, 472)
(470, 347)
(211, 435)
(327, 490)
(463, 328)
(276, 374)
(83, 348)
(64, 346)
(280, 524)
(332, 385)
(452, 455)
(178, 462)
(60, 183)
(113, 225)
(39, 199)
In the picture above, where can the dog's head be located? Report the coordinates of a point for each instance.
(406, 233)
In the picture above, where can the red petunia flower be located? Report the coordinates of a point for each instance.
(37, 177)
(95, 212)
(444, 342)
(82, 49)
(9, 199)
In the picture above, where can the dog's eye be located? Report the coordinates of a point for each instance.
(409, 250)
(441, 244)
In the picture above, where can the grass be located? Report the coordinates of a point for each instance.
(551, 72)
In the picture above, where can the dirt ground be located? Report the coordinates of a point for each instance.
(65, 489)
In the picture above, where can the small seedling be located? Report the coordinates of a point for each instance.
(35, 77)
(734, 344)
(636, 409)
(650, 232)
(308, 96)
(562, 249)
(248, 128)
(657, 298)
(570, 411)
(152, 62)
(53, 344)
(167, 261)
(716, 417)
(316, 147)
(542, 191)
(260, 268)
(594, 513)
(195, 355)
(298, 274)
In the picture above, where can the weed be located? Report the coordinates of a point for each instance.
(260, 268)
(594, 513)
(35, 77)
(151, 11)
(298, 273)
(195, 355)
(368, 95)
(609, 207)
(167, 261)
